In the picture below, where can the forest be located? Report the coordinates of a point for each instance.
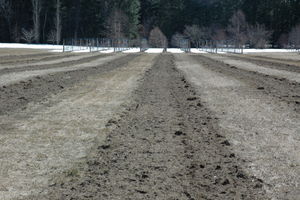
(256, 22)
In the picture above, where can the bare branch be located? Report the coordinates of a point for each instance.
(28, 35)
(258, 36)
(294, 37)
(157, 38)
(37, 8)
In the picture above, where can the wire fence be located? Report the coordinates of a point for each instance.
(123, 44)
(87, 44)
(144, 45)
(103, 44)
(185, 45)
(217, 46)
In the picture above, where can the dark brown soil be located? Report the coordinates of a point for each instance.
(166, 146)
(16, 96)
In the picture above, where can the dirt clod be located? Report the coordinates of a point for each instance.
(191, 98)
(226, 143)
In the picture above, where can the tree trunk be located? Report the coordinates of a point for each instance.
(77, 18)
(58, 22)
(44, 26)
(37, 8)
(7, 12)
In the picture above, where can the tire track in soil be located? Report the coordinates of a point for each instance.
(281, 88)
(166, 146)
(55, 63)
(16, 96)
(288, 65)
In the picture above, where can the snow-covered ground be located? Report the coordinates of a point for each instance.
(59, 48)
(31, 46)
(154, 50)
(174, 50)
(194, 50)
(132, 50)
(269, 50)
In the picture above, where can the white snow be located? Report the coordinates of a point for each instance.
(194, 50)
(59, 48)
(107, 50)
(82, 51)
(132, 50)
(269, 50)
(155, 50)
(174, 50)
(31, 46)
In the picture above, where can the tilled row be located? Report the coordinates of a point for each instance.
(33, 58)
(16, 96)
(280, 88)
(24, 56)
(53, 63)
(262, 128)
(289, 65)
(166, 146)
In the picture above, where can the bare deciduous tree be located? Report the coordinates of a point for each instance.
(157, 39)
(7, 12)
(36, 8)
(51, 37)
(283, 40)
(16, 33)
(195, 33)
(28, 35)
(176, 40)
(219, 34)
(294, 37)
(238, 28)
(117, 24)
(258, 36)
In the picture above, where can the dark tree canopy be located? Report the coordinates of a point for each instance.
(89, 18)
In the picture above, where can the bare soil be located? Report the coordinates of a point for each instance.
(279, 87)
(141, 126)
(258, 114)
(16, 96)
(6, 52)
(53, 62)
(292, 65)
(293, 56)
(166, 146)
(35, 58)
(53, 135)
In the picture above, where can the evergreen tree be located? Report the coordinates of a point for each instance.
(88, 18)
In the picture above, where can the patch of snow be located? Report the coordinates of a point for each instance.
(269, 50)
(59, 48)
(107, 50)
(132, 50)
(82, 51)
(174, 50)
(56, 51)
(194, 50)
(154, 50)
(31, 46)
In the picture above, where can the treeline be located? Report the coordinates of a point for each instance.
(50, 21)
